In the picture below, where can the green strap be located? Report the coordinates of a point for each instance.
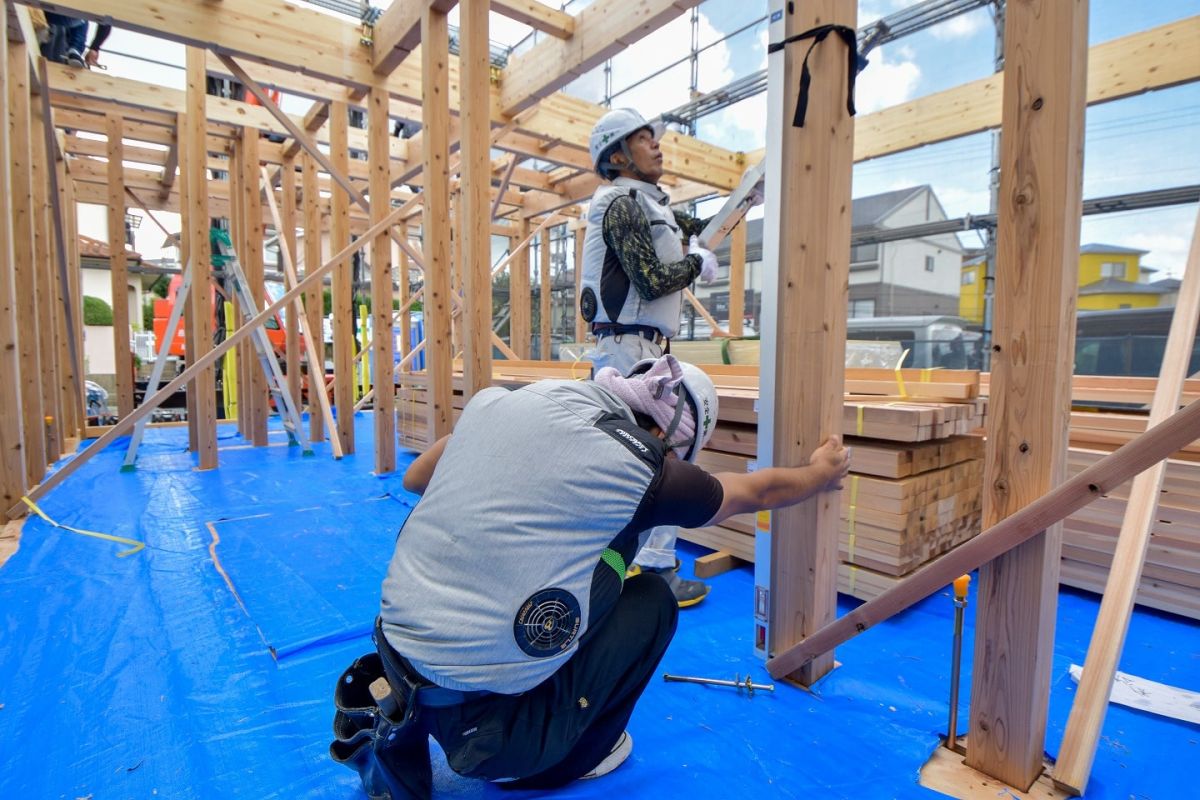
(614, 560)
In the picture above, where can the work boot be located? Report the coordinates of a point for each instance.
(687, 592)
(74, 59)
(620, 751)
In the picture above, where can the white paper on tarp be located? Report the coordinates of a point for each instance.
(1146, 695)
(736, 206)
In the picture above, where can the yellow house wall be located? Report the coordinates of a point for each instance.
(1105, 302)
(1089, 266)
(970, 298)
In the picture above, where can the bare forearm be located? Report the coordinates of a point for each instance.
(420, 472)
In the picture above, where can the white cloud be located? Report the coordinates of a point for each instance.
(885, 83)
(963, 26)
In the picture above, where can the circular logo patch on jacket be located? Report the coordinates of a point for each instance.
(547, 623)
(587, 304)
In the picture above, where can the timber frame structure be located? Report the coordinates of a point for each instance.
(210, 159)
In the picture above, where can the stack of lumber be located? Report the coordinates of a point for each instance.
(1171, 576)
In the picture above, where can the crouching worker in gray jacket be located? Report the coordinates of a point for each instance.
(508, 630)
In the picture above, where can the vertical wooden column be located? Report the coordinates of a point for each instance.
(48, 315)
(75, 289)
(254, 397)
(435, 224)
(807, 256)
(189, 334)
(12, 436)
(544, 273)
(118, 264)
(580, 322)
(70, 403)
(21, 207)
(288, 217)
(1037, 276)
(342, 289)
(405, 316)
(737, 278)
(314, 302)
(520, 324)
(383, 344)
(241, 243)
(192, 132)
(475, 208)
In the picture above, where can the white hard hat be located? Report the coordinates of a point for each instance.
(701, 396)
(612, 129)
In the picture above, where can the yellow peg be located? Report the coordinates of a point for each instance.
(961, 584)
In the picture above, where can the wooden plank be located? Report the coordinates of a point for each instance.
(603, 28)
(382, 343)
(537, 15)
(737, 278)
(715, 564)
(1037, 278)
(475, 250)
(519, 297)
(255, 398)
(25, 254)
(341, 288)
(1048, 510)
(435, 76)
(405, 290)
(544, 272)
(398, 32)
(196, 225)
(292, 324)
(1082, 735)
(581, 329)
(808, 250)
(12, 434)
(48, 315)
(314, 302)
(189, 332)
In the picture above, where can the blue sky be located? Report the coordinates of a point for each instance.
(1126, 139)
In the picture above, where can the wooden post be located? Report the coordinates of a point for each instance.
(1037, 278)
(435, 224)
(12, 435)
(1078, 749)
(288, 214)
(48, 315)
(24, 259)
(192, 131)
(342, 288)
(806, 259)
(70, 404)
(737, 278)
(475, 214)
(544, 297)
(519, 308)
(254, 398)
(314, 302)
(75, 290)
(580, 322)
(405, 315)
(244, 354)
(189, 330)
(383, 346)
(118, 264)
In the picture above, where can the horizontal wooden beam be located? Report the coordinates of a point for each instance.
(602, 29)
(398, 32)
(537, 15)
(1153, 59)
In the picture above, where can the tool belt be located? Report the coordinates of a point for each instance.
(602, 329)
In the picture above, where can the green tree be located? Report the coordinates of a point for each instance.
(96, 311)
(148, 314)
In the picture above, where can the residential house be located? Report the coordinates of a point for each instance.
(96, 281)
(913, 276)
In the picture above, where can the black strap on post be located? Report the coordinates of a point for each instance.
(818, 35)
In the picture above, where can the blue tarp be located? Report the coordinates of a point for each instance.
(153, 675)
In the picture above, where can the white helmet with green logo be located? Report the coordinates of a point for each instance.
(701, 395)
(610, 133)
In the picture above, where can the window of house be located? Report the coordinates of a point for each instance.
(929, 263)
(864, 252)
(1112, 269)
(862, 308)
(968, 278)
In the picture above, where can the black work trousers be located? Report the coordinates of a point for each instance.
(562, 728)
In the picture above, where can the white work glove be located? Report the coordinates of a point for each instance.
(708, 261)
